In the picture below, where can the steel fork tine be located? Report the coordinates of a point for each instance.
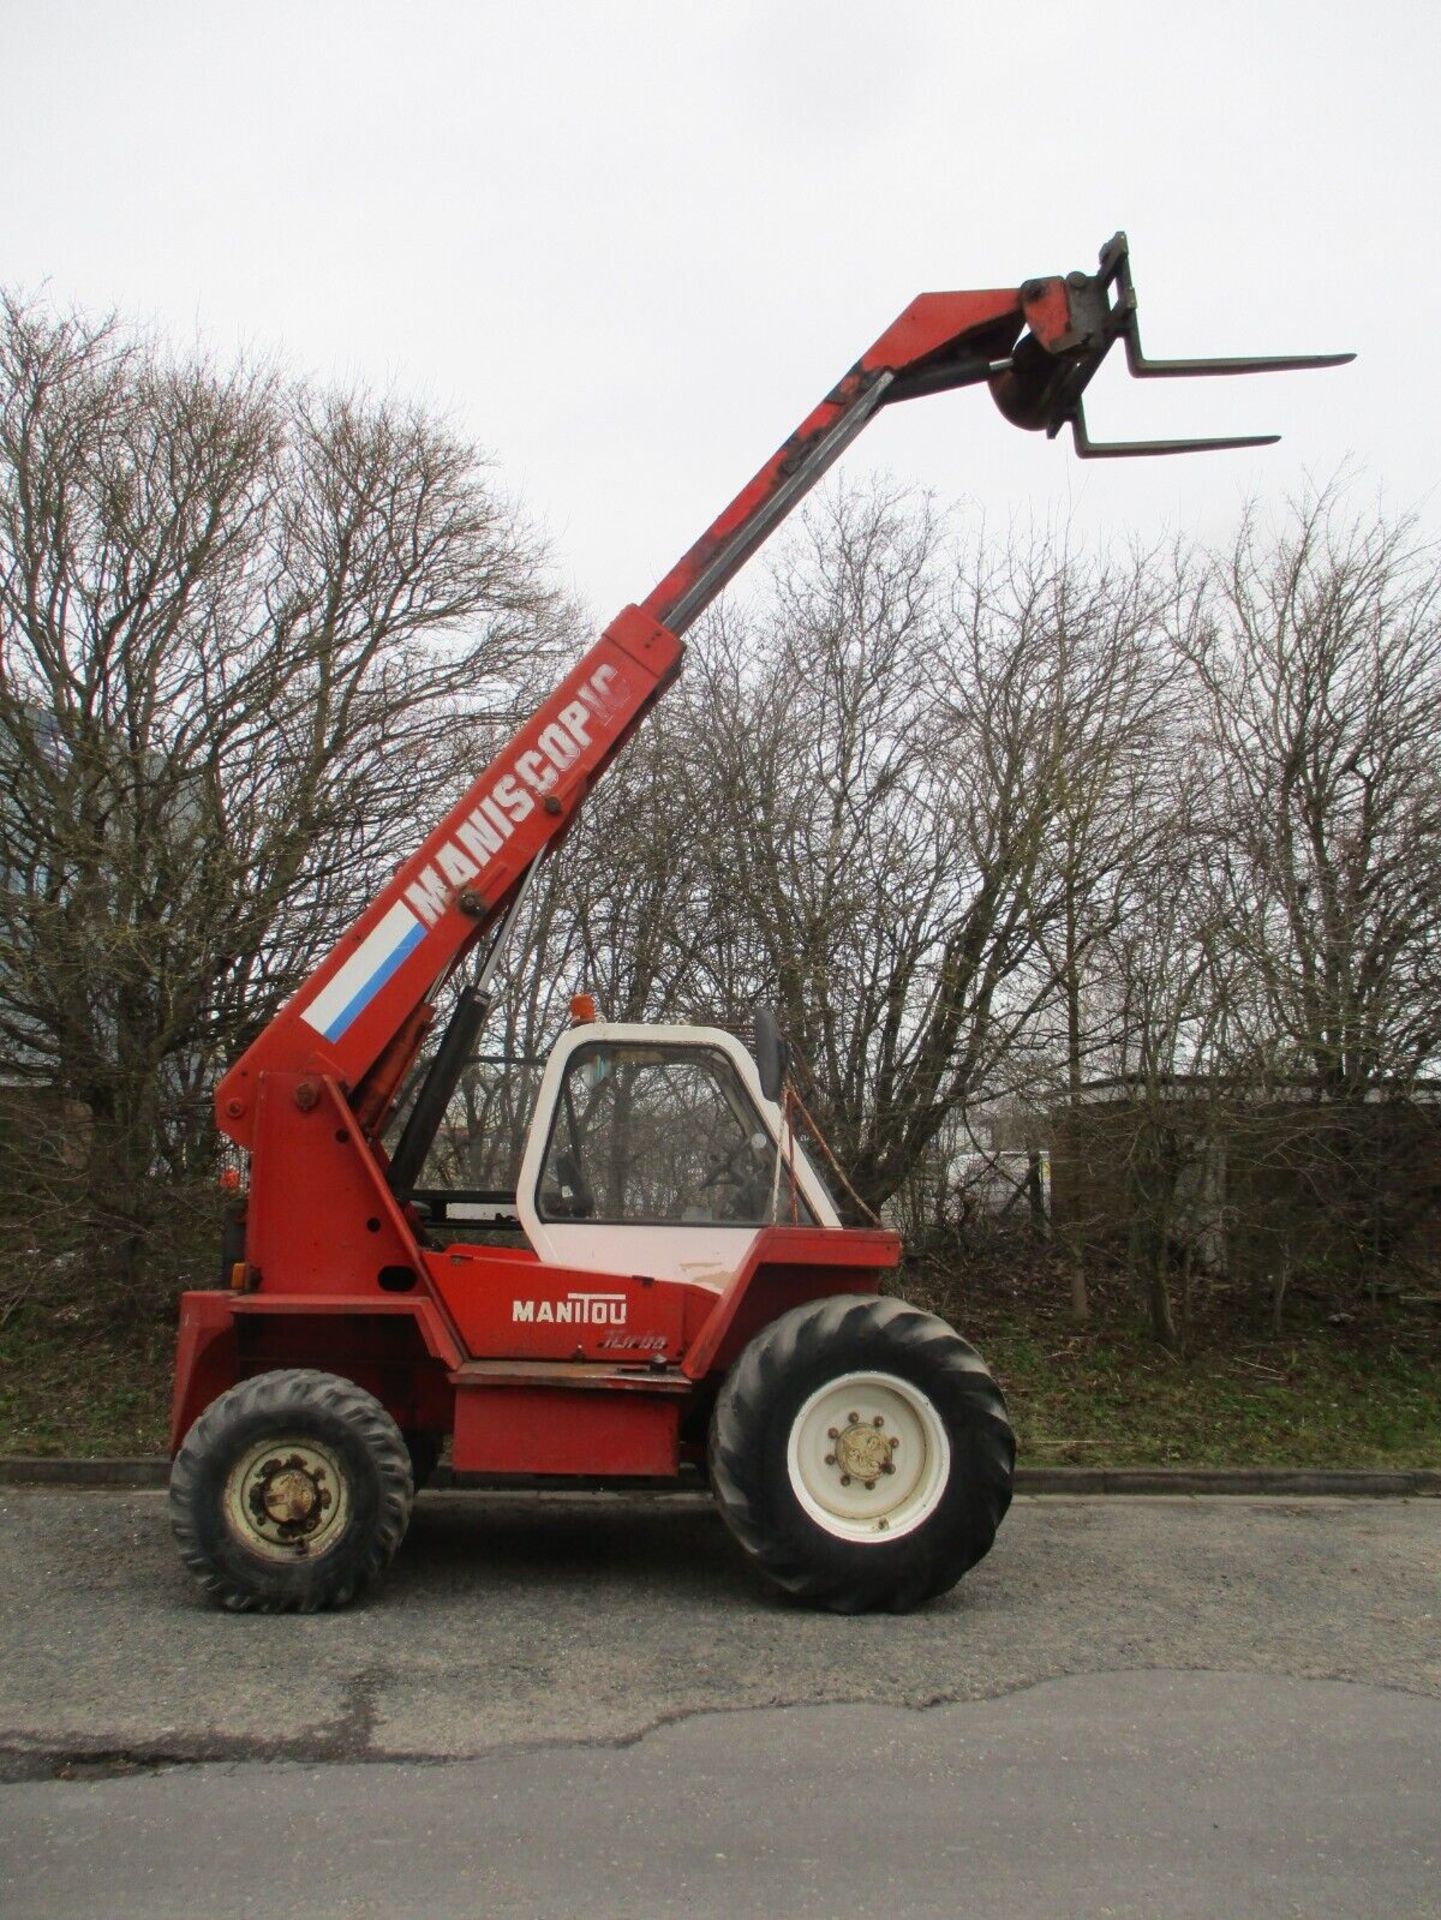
(1089, 449)
(1116, 271)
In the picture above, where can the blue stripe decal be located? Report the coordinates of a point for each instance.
(357, 1004)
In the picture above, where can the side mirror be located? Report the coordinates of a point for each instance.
(772, 1053)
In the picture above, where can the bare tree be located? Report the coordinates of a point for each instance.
(1320, 665)
(895, 741)
(240, 625)
(1274, 967)
(1141, 1140)
(1118, 719)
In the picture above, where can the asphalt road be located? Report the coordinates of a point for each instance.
(1144, 1706)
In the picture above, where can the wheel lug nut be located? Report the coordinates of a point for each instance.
(894, 1445)
(830, 1459)
(833, 1433)
(888, 1466)
(845, 1479)
(878, 1422)
(853, 1419)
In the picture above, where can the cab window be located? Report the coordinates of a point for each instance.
(656, 1133)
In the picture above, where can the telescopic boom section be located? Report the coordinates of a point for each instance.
(361, 1017)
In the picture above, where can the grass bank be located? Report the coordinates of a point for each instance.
(75, 1389)
(1360, 1391)
(1352, 1390)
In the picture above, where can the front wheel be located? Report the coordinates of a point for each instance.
(290, 1493)
(861, 1455)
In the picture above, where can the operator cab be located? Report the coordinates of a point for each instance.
(654, 1150)
(649, 1149)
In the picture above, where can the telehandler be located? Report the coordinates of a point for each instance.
(679, 1293)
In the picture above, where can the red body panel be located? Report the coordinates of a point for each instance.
(205, 1359)
(789, 1265)
(507, 1304)
(320, 1218)
(551, 1430)
(602, 1339)
(398, 1349)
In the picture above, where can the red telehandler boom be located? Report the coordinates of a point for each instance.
(680, 1292)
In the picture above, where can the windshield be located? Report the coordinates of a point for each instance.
(657, 1133)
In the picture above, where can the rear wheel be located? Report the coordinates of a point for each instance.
(860, 1453)
(290, 1493)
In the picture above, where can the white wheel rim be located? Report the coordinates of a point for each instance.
(287, 1499)
(868, 1457)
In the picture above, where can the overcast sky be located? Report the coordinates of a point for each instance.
(627, 245)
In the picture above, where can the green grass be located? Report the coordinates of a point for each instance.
(1365, 1393)
(1299, 1405)
(70, 1390)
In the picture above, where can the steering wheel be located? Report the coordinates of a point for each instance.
(731, 1169)
(742, 1171)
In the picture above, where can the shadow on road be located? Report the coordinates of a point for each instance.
(673, 1548)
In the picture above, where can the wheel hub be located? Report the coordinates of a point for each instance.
(291, 1494)
(862, 1450)
(868, 1457)
(287, 1498)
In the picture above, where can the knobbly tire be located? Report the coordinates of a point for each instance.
(861, 1455)
(291, 1492)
